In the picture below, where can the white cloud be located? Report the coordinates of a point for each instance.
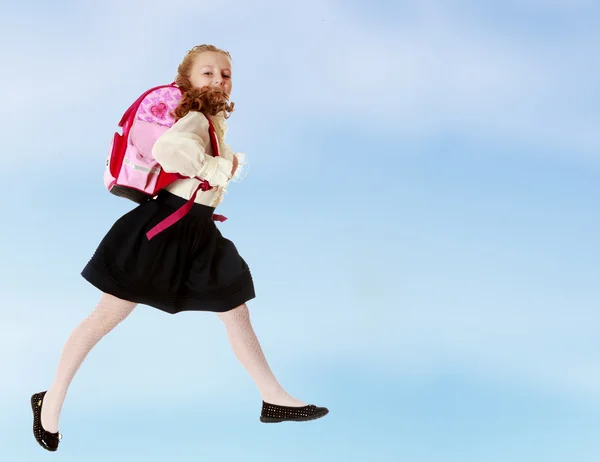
(441, 70)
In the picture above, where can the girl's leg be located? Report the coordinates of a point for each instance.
(109, 312)
(248, 351)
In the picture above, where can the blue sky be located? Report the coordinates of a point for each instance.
(420, 216)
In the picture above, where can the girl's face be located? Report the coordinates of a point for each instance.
(212, 69)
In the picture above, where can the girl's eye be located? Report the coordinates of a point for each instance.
(208, 73)
(226, 76)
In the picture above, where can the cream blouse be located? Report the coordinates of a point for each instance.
(185, 148)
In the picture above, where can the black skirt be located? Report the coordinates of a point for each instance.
(188, 267)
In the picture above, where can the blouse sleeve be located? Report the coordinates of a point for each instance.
(181, 150)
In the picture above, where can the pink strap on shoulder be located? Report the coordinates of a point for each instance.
(213, 138)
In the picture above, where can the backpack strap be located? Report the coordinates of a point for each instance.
(184, 209)
(215, 143)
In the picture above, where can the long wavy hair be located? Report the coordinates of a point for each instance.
(207, 100)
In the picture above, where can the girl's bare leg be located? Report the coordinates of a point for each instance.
(248, 351)
(109, 312)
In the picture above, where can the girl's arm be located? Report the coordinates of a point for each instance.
(181, 150)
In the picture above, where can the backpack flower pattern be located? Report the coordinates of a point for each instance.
(158, 106)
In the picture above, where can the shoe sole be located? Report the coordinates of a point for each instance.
(302, 419)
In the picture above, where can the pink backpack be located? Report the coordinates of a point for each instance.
(131, 170)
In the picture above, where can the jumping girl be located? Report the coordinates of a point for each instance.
(188, 267)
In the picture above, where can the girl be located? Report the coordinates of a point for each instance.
(189, 266)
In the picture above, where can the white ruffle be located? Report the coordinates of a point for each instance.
(242, 169)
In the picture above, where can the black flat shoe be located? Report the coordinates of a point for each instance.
(47, 440)
(273, 413)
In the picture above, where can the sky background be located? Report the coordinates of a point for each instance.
(421, 216)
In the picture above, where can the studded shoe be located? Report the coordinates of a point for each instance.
(273, 413)
(47, 440)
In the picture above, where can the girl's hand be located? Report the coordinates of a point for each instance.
(235, 165)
